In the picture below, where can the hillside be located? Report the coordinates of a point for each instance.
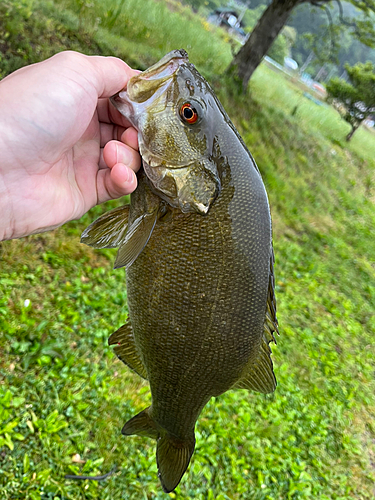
(62, 393)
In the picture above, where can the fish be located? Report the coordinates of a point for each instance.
(196, 242)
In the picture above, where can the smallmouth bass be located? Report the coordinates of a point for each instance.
(197, 246)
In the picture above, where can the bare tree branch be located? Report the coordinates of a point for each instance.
(330, 27)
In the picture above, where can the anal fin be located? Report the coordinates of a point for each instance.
(141, 425)
(126, 350)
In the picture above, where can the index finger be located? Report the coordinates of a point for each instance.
(107, 113)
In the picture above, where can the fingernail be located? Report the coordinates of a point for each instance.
(127, 175)
(124, 156)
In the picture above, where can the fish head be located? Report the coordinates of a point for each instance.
(174, 110)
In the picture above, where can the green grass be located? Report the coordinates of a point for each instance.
(149, 29)
(62, 392)
(271, 86)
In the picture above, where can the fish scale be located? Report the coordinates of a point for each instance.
(199, 260)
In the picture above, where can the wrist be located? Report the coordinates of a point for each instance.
(7, 219)
(19, 191)
(6, 226)
(6, 230)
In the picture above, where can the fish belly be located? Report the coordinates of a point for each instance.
(197, 304)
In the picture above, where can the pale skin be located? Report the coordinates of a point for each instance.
(63, 147)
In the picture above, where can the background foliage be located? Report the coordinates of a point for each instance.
(357, 97)
(320, 31)
(62, 393)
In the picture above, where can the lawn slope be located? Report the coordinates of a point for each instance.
(62, 393)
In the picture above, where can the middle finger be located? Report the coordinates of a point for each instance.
(108, 132)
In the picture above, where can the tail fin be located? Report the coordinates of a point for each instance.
(172, 455)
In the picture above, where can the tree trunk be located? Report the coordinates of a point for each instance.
(351, 133)
(262, 37)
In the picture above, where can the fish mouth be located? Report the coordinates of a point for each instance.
(144, 89)
(190, 187)
(148, 85)
(156, 75)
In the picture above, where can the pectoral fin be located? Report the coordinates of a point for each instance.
(108, 231)
(126, 350)
(136, 239)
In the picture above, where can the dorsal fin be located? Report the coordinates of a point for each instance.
(109, 230)
(258, 375)
(271, 324)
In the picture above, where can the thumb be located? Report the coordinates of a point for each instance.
(112, 74)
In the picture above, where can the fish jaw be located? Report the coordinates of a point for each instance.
(191, 189)
(190, 183)
(143, 85)
(148, 86)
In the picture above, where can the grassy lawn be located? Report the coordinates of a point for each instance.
(62, 392)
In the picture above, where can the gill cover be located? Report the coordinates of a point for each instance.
(176, 148)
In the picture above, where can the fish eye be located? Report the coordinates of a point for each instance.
(188, 113)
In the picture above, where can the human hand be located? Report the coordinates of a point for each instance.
(63, 147)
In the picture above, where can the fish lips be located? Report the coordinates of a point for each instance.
(191, 188)
(149, 84)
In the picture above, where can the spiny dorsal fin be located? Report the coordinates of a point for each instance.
(136, 239)
(108, 231)
(258, 376)
(270, 323)
(126, 349)
(173, 457)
